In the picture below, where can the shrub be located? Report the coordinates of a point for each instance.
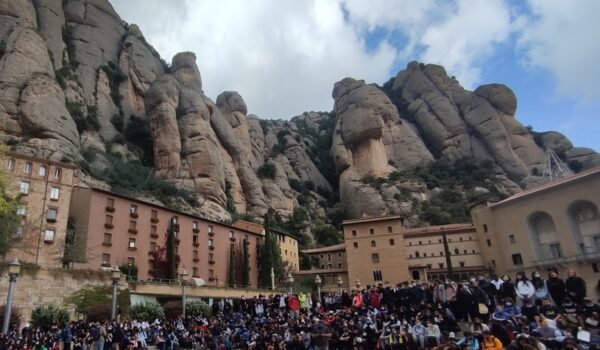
(147, 311)
(82, 120)
(93, 301)
(267, 170)
(117, 122)
(89, 154)
(575, 165)
(45, 316)
(137, 132)
(197, 308)
(173, 309)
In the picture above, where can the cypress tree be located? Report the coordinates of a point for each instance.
(231, 271)
(245, 264)
(270, 256)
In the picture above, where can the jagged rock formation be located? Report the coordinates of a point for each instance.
(74, 78)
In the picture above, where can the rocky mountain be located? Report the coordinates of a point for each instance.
(79, 84)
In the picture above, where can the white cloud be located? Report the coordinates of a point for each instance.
(560, 37)
(282, 56)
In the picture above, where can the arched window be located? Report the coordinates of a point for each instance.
(27, 167)
(546, 243)
(10, 164)
(43, 170)
(585, 224)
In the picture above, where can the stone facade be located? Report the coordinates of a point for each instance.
(555, 226)
(45, 189)
(57, 285)
(331, 264)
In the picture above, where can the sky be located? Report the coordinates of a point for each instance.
(283, 56)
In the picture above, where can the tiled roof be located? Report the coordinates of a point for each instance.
(550, 185)
(438, 229)
(371, 218)
(331, 248)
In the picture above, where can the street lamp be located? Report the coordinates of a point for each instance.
(183, 275)
(115, 275)
(272, 278)
(340, 283)
(290, 281)
(318, 283)
(14, 268)
(357, 283)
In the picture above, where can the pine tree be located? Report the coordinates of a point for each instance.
(270, 256)
(231, 280)
(245, 264)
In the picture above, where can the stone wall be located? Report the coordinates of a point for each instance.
(37, 286)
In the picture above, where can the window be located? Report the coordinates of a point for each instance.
(373, 244)
(461, 263)
(195, 239)
(153, 229)
(375, 258)
(110, 203)
(195, 225)
(420, 243)
(424, 254)
(355, 244)
(441, 253)
(174, 220)
(473, 251)
(517, 259)
(555, 251)
(194, 272)
(131, 244)
(130, 261)
(354, 233)
(440, 240)
(10, 164)
(417, 254)
(456, 251)
(21, 210)
(54, 193)
(464, 251)
(392, 241)
(339, 266)
(470, 238)
(133, 209)
(493, 263)
(106, 259)
(154, 214)
(19, 232)
(27, 167)
(230, 234)
(52, 214)
(107, 238)
(511, 238)
(339, 255)
(24, 187)
(416, 275)
(152, 247)
(460, 239)
(485, 229)
(132, 225)
(389, 229)
(329, 257)
(211, 273)
(429, 266)
(329, 266)
(322, 266)
(285, 252)
(321, 256)
(377, 275)
(210, 242)
(42, 171)
(195, 253)
(108, 220)
(210, 228)
(49, 236)
(57, 173)
(489, 242)
(441, 265)
(371, 231)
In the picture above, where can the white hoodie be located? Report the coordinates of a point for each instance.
(524, 289)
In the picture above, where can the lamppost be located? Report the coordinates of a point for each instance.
(183, 276)
(272, 278)
(115, 275)
(357, 283)
(14, 268)
(318, 283)
(290, 281)
(340, 283)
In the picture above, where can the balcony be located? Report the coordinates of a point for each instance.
(196, 230)
(133, 231)
(132, 248)
(133, 214)
(211, 247)
(196, 259)
(154, 220)
(110, 209)
(196, 244)
(109, 226)
(232, 239)
(52, 220)
(107, 244)
(211, 233)
(154, 235)
(212, 262)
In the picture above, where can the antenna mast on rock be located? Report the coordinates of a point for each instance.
(554, 168)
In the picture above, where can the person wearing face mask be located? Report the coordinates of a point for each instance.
(570, 312)
(541, 289)
(556, 288)
(575, 287)
(507, 289)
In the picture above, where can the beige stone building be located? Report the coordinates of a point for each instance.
(118, 230)
(288, 244)
(45, 189)
(381, 251)
(331, 263)
(555, 226)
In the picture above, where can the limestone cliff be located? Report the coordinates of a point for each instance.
(78, 84)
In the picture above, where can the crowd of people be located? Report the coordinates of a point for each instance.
(488, 314)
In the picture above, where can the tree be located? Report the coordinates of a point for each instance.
(270, 256)
(8, 216)
(147, 311)
(15, 316)
(74, 243)
(231, 280)
(197, 308)
(94, 302)
(245, 263)
(45, 316)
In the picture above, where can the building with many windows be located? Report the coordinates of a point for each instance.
(329, 263)
(288, 244)
(555, 226)
(118, 230)
(44, 188)
(380, 250)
